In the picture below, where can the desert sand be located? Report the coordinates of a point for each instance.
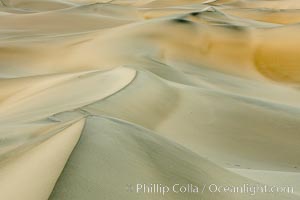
(98, 95)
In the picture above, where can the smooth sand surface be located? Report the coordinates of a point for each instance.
(96, 95)
(32, 175)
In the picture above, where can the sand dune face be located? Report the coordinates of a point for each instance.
(100, 97)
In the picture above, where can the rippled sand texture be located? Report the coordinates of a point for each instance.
(97, 95)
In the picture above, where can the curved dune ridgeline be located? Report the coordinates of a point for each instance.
(98, 95)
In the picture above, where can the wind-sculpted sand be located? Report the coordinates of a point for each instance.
(99, 96)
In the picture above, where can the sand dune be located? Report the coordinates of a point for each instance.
(96, 95)
(144, 156)
(34, 172)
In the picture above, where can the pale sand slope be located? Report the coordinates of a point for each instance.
(33, 174)
(50, 97)
(158, 91)
(145, 157)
